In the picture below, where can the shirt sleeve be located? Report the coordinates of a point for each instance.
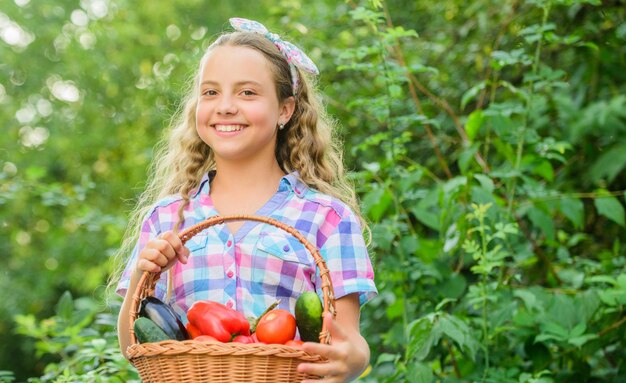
(150, 229)
(347, 259)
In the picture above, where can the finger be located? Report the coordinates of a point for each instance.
(176, 244)
(318, 349)
(323, 370)
(163, 247)
(324, 379)
(155, 256)
(146, 265)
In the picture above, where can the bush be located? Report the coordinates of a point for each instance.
(79, 343)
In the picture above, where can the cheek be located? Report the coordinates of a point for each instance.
(263, 113)
(200, 112)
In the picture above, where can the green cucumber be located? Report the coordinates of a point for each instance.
(147, 331)
(309, 316)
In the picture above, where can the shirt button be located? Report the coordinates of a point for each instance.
(229, 304)
(286, 248)
(229, 243)
(230, 274)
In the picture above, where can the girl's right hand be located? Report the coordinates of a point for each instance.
(161, 253)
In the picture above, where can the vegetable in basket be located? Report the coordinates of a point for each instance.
(164, 317)
(147, 331)
(216, 320)
(276, 327)
(309, 316)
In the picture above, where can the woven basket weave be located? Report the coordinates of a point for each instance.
(193, 361)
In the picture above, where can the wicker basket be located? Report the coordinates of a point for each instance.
(194, 361)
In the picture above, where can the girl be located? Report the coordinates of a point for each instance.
(253, 138)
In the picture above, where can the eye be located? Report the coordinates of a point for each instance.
(209, 92)
(248, 92)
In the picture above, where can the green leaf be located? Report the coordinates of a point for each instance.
(395, 91)
(422, 337)
(454, 184)
(501, 59)
(65, 307)
(366, 15)
(474, 122)
(387, 358)
(458, 331)
(482, 196)
(395, 309)
(562, 313)
(376, 202)
(601, 279)
(452, 330)
(485, 181)
(552, 330)
(621, 281)
(573, 209)
(572, 277)
(421, 68)
(384, 235)
(419, 373)
(426, 210)
(542, 221)
(544, 170)
(609, 164)
(428, 218)
(613, 297)
(587, 304)
(452, 238)
(465, 158)
(410, 244)
(611, 208)
(529, 299)
(399, 32)
(579, 329)
(578, 341)
(471, 93)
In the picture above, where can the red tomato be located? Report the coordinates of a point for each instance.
(243, 339)
(205, 338)
(295, 343)
(277, 327)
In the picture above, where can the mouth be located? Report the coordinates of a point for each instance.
(228, 128)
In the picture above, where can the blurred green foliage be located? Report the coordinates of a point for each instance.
(486, 140)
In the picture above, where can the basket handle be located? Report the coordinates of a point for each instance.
(148, 280)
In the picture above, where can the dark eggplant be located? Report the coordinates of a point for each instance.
(164, 317)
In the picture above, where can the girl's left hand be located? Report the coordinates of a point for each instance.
(346, 355)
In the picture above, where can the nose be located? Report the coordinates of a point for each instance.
(226, 105)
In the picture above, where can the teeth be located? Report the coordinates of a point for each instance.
(228, 128)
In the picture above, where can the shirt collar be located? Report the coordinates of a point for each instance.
(293, 182)
(290, 181)
(205, 184)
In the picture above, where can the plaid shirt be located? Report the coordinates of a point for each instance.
(261, 263)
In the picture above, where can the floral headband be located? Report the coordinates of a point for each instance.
(295, 57)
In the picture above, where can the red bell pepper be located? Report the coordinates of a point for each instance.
(246, 339)
(216, 320)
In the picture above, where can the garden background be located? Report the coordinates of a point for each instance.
(487, 140)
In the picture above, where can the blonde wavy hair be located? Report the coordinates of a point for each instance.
(308, 144)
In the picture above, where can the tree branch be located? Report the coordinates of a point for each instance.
(414, 83)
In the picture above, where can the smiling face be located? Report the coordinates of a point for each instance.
(238, 109)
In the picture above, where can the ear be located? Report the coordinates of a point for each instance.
(287, 108)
